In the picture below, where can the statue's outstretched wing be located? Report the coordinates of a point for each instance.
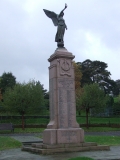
(52, 15)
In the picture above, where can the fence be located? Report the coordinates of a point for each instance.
(42, 121)
(31, 120)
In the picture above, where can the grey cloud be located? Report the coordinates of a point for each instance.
(27, 39)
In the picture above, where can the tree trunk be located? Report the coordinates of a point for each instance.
(23, 121)
(87, 111)
(79, 113)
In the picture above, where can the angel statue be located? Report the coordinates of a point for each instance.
(60, 22)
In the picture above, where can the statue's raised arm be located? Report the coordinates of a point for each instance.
(60, 22)
(63, 9)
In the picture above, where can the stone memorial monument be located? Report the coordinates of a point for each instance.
(62, 127)
(63, 133)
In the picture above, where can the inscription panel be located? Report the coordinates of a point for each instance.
(66, 83)
(71, 108)
(71, 115)
(66, 103)
(62, 108)
(68, 135)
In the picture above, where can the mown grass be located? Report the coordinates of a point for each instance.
(103, 140)
(8, 143)
(80, 120)
(26, 130)
(99, 120)
(81, 158)
(100, 129)
(29, 121)
(39, 130)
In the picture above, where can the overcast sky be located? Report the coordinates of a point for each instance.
(27, 35)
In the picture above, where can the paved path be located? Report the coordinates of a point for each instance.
(110, 133)
(17, 154)
(27, 138)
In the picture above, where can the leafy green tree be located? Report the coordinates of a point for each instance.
(78, 89)
(2, 109)
(96, 72)
(45, 94)
(116, 106)
(92, 98)
(110, 100)
(1, 98)
(7, 80)
(116, 90)
(46, 98)
(25, 98)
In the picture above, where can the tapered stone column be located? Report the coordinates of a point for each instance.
(62, 127)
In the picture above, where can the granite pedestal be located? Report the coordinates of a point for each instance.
(62, 127)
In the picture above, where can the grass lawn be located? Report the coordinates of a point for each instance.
(8, 143)
(80, 119)
(27, 121)
(39, 130)
(26, 130)
(104, 140)
(98, 120)
(100, 129)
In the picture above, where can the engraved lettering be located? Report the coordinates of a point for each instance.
(69, 135)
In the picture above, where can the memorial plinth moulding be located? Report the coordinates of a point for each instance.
(62, 127)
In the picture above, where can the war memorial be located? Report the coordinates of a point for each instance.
(63, 133)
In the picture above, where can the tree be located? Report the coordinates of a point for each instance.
(78, 89)
(86, 72)
(2, 109)
(1, 98)
(92, 98)
(46, 98)
(110, 101)
(7, 80)
(116, 90)
(116, 106)
(25, 98)
(45, 94)
(78, 76)
(95, 72)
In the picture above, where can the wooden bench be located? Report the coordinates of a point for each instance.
(7, 126)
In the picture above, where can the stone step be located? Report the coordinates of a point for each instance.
(67, 149)
(45, 146)
(31, 142)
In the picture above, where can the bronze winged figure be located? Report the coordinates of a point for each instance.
(60, 23)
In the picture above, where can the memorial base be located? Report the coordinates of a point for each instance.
(67, 135)
(41, 148)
